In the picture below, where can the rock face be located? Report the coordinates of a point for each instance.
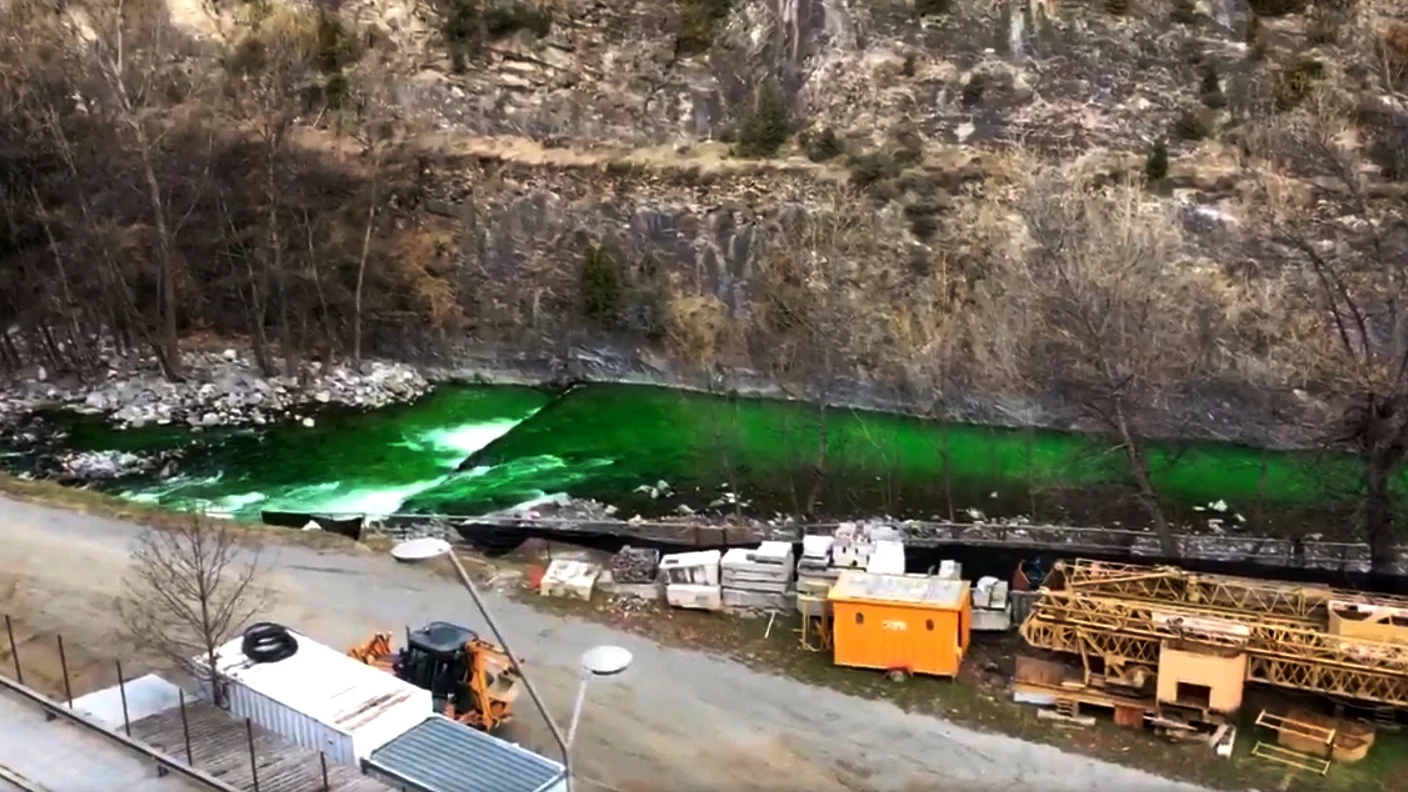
(646, 73)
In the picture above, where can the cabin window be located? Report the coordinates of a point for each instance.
(860, 618)
(929, 625)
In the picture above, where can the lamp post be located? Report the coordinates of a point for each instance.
(416, 550)
(600, 661)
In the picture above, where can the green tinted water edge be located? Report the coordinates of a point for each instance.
(610, 439)
(606, 441)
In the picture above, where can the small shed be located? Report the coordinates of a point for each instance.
(918, 624)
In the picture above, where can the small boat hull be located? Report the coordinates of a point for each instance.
(350, 527)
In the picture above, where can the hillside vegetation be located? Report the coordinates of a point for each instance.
(1142, 218)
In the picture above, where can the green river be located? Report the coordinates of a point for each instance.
(616, 443)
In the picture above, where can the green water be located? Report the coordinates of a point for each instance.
(348, 462)
(612, 441)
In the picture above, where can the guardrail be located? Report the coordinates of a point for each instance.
(1229, 547)
(163, 762)
(319, 780)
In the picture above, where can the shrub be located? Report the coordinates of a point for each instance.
(1194, 124)
(699, 21)
(923, 220)
(336, 47)
(1117, 7)
(1185, 12)
(766, 126)
(1210, 90)
(1156, 163)
(973, 90)
(872, 167)
(1293, 83)
(1393, 45)
(1276, 8)
(932, 7)
(823, 146)
(507, 17)
(601, 288)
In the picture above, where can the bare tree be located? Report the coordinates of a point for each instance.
(701, 333)
(190, 589)
(823, 311)
(1100, 310)
(1342, 238)
(129, 38)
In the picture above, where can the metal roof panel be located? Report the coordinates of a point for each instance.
(441, 755)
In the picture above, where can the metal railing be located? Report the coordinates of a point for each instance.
(164, 762)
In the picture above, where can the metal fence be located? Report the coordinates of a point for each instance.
(12, 678)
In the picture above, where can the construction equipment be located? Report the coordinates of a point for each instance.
(470, 680)
(1123, 616)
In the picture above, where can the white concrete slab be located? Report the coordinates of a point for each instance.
(148, 695)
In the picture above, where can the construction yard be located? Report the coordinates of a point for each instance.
(683, 719)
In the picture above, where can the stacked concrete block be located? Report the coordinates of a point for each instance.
(990, 606)
(567, 578)
(758, 579)
(886, 558)
(815, 574)
(851, 549)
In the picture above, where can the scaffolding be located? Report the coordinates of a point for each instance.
(1122, 614)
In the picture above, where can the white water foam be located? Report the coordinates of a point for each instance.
(450, 446)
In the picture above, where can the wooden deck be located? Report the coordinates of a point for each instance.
(219, 747)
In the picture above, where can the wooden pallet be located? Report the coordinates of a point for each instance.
(1285, 756)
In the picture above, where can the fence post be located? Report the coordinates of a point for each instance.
(253, 766)
(186, 729)
(14, 650)
(63, 666)
(323, 760)
(122, 689)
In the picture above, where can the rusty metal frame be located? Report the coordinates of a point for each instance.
(1225, 593)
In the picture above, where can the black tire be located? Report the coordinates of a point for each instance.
(267, 642)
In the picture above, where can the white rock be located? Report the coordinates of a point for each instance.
(308, 422)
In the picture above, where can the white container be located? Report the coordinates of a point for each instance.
(320, 699)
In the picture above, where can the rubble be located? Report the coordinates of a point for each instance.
(221, 389)
(635, 565)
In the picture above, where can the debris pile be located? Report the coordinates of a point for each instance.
(635, 565)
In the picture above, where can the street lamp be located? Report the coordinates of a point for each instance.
(600, 661)
(424, 549)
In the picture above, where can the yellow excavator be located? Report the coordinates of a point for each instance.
(470, 680)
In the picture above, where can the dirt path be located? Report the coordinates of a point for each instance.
(679, 721)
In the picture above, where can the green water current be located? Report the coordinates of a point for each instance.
(470, 449)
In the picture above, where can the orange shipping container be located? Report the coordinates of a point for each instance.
(915, 623)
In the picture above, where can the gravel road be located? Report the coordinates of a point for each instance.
(678, 721)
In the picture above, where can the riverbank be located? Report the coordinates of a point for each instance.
(222, 386)
(695, 716)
